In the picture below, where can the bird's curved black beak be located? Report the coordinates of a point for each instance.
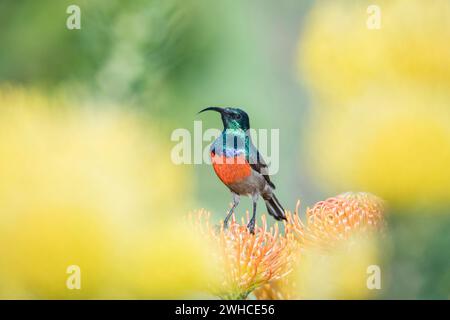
(220, 110)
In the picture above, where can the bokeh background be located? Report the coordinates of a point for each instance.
(87, 117)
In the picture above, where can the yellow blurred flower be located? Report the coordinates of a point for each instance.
(380, 119)
(93, 189)
(397, 146)
(342, 58)
(172, 262)
(246, 261)
(339, 274)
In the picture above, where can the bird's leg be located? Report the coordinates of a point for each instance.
(251, 224)
(236, 199)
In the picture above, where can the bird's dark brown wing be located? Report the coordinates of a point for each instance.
(258, 164)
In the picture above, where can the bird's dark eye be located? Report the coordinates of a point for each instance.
(237, 116)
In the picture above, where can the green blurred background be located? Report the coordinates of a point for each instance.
(310, 68)
(173, 58)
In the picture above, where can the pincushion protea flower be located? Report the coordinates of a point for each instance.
(338, 218)
(336, 229)
(247, 261)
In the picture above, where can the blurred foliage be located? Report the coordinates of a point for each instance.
(416, 261)
(136, 50)
(170, 58)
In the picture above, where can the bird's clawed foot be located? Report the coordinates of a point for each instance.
(251, 226)
(225, 222)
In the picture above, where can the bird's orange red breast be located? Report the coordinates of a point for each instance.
(231, 169)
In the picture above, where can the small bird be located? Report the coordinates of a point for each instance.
(239, 165)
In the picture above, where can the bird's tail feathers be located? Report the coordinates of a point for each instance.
(275, 209)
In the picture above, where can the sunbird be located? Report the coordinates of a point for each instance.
(239, 165)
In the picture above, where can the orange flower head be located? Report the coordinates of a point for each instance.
(246, 261)
(344, 221)
(338, 218)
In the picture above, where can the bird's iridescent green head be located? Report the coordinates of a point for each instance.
(232, 118)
